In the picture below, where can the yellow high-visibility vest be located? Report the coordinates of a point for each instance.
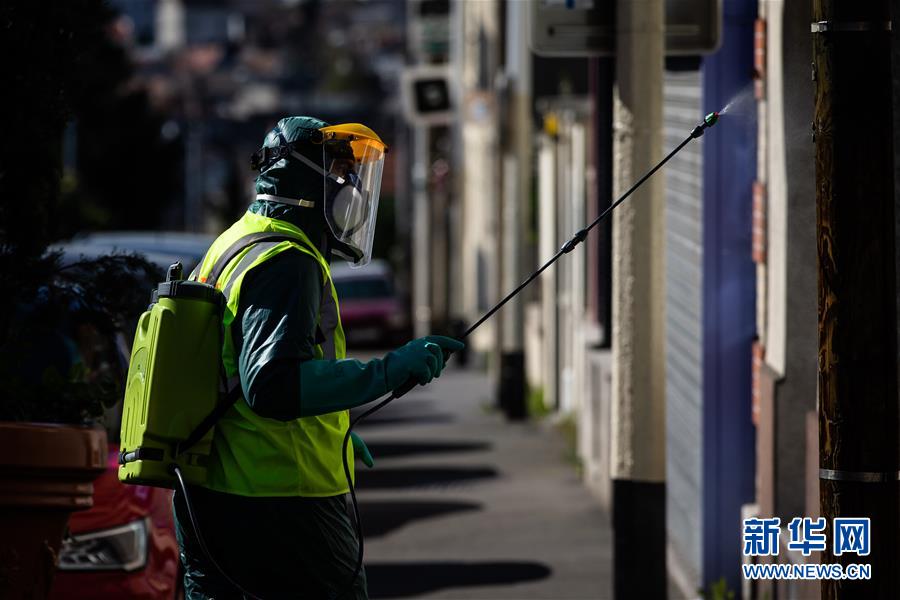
(253, 455)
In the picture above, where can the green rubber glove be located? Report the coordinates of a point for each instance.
(361, 450)
(421, 359)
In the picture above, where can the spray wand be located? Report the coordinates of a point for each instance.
(708, 121)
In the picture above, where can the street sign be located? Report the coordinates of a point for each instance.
(693, 27)
(427, 94)
(587, 27)
(429, 29)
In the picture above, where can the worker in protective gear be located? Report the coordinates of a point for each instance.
(273, 511)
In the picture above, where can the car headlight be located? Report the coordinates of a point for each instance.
(123, 548)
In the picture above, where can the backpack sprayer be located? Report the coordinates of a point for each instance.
(168, 422)
(168, 425)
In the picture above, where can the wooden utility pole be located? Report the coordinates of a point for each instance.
(859, 452)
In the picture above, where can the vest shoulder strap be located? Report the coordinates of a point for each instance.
(232, 387)
(239, 245)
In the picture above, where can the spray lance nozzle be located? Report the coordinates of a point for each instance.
(708, 121)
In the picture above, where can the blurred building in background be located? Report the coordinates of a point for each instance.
(223, 73)
(505, 141)
(784, 249)
(567, 318)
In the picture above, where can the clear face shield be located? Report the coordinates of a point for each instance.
(354, 162)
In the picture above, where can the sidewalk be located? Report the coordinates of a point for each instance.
(461, 504)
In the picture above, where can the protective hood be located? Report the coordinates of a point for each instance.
(285, 179)
(335, 169)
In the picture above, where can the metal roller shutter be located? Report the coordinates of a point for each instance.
(684, 343)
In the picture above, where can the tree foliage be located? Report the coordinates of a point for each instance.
(45, 46)
(59, 354)
(57, 323)
(61, 67)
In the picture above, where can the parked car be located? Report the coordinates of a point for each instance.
(124, 546)
(160, 247)
(371, 312)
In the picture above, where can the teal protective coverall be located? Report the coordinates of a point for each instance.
(291, 547)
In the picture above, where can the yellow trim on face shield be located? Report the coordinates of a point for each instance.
(362, 139)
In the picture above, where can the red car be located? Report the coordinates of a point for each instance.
(124, 546)
(371, 312)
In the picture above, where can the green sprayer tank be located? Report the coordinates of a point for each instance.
(173, 382)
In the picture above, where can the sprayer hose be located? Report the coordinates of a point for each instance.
(193, 519)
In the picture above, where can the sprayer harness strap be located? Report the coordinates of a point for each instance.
(231, 387)
(227, 401)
